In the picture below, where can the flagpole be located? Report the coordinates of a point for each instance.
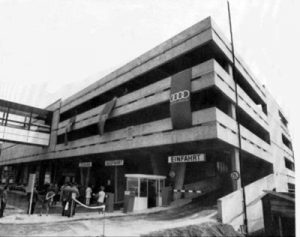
(238, 124)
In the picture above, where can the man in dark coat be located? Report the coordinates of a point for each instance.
(65, 192)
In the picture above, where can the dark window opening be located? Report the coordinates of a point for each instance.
(201, 100)
(190, 59)
(254, 127)
(289, 164)
(291, 188)
(210, 98)
(251, 93)
(286, 142)
(241, 81)
(145, 115)
(283, 119)
(254, 169)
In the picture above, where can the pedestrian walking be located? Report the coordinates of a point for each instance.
(3, 200)
(88, 195)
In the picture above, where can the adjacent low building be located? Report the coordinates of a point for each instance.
(170, 112)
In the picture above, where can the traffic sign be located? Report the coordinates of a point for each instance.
(235, 175)
(172, 174)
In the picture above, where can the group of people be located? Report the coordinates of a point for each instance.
(100, 196)
(47, 195)
(70, 194)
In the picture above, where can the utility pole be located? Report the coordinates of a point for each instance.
(245, 229)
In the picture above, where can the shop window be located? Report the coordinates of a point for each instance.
(133, 186)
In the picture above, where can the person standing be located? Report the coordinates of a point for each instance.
(88, 195)
(49, 200)
(3, 200)
(101, 197)
(64, 198)
(72, 203)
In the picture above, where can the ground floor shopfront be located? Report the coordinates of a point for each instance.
(191, 167)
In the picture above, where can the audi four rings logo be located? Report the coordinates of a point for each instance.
(180, 95)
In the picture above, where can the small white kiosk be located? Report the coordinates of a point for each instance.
(146, 190)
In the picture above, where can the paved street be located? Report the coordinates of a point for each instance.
(116, 224)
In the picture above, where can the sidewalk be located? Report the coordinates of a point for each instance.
(18, 216)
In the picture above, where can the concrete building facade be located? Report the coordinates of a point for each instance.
(143, 130)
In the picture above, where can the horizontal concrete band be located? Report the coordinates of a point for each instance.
(205, 75)
(208, 124)
(193, 37)
(178, 45)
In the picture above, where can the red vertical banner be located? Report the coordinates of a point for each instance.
(180, 99)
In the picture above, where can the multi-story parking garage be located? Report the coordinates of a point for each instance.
(170, 112)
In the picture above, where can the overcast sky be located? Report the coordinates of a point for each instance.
(52, 48)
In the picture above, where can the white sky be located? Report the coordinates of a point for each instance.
(53, 48)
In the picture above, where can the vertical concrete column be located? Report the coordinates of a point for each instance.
(25, 174)
(81, 176)
(179, 169)
(87, 177)
(236, 166)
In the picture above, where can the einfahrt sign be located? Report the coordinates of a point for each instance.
(187, 158)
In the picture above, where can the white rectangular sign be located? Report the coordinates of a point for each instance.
(31, 182)
(85, 164)
(187, 158)
(114, 162)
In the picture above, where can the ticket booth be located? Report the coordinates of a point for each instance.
(145, 190)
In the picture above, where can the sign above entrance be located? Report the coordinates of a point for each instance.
(85, 164)
(114, 162)
(187, 158)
